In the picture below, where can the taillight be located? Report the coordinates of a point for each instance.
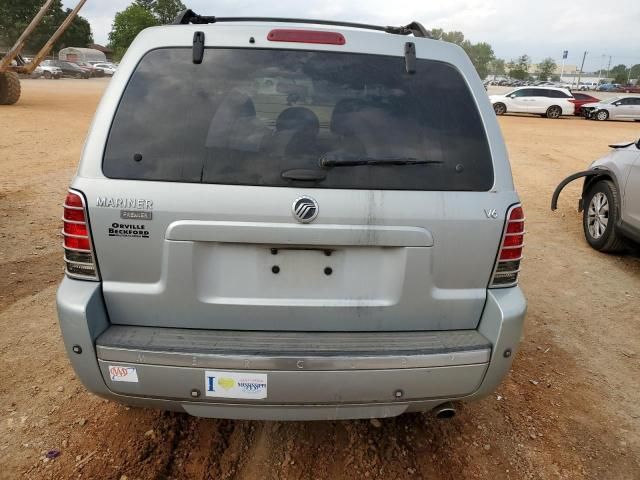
(505, 272)
(306, 36)
(78, 249)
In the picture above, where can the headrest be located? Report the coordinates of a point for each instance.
(298, 118)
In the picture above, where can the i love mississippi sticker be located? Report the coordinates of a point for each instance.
(235, 384)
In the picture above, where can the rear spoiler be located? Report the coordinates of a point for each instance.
(189, 16)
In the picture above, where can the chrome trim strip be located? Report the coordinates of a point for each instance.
(70, 207)
(288, 363)
(73, 221)
(507, 272)
(513, 247)
(77, 276)
(76, 249)
(75, 262)
(509, 260)
(72, 235)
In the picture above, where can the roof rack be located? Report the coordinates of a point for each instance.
(189, 16)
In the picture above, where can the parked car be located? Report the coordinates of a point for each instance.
(587, 86)
(610, 202)
(94, 70)
(608, 87)
(49, 70)
(549, 102)
(565, 85)
(37, 72)
(68, 69)
(108, 68)
(617, 108)
(372, 280)
(580, 99)
(628, 89)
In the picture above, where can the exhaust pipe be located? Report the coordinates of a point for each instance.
(445, 411)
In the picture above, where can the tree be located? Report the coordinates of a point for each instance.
(620, 74)
(546, 68)
(148, 4)
(15, 16)
(481, 54)
(519, 68)
(126, 25)
(167, 10)
(635, 73)
(78, 34)
(497, 67)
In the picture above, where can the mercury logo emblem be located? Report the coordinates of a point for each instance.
(305, 209)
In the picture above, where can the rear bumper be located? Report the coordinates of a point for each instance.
(346, 375)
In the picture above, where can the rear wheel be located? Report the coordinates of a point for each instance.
(554, 111)
(9, 88)
(500, 108)
(600, 216)
(47, 75)
(602, 115)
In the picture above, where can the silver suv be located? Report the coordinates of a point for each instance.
(610, 202)
(292, 220)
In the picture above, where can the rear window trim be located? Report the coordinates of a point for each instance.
(490, 144)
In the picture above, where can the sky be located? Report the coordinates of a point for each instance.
(539, 28)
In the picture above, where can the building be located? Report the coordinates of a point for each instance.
(534, 69)
(106, 50)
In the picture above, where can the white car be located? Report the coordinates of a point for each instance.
(109, 68)
(617, 108)
(50, 71)
(588, 86)
(550, 102)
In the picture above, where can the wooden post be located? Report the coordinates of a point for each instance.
(44, 51)
(17, 47)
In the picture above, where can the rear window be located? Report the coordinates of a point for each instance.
(246, 116)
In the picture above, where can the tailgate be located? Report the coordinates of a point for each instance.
(217, 264)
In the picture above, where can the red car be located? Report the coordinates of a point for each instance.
(628, 89)
(580, 99)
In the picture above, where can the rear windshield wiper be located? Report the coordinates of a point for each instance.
(329, 160)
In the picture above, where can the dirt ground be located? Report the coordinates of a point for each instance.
(569, 409)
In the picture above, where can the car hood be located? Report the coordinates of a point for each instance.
(595, 105)
(495, 98)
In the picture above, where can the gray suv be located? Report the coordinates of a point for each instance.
(610, 202)
(292, 220)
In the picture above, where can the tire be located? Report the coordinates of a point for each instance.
(601, 115)
(600, 217)
(9, 88)
(499, 108)
(47, 75)
(554, 112)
